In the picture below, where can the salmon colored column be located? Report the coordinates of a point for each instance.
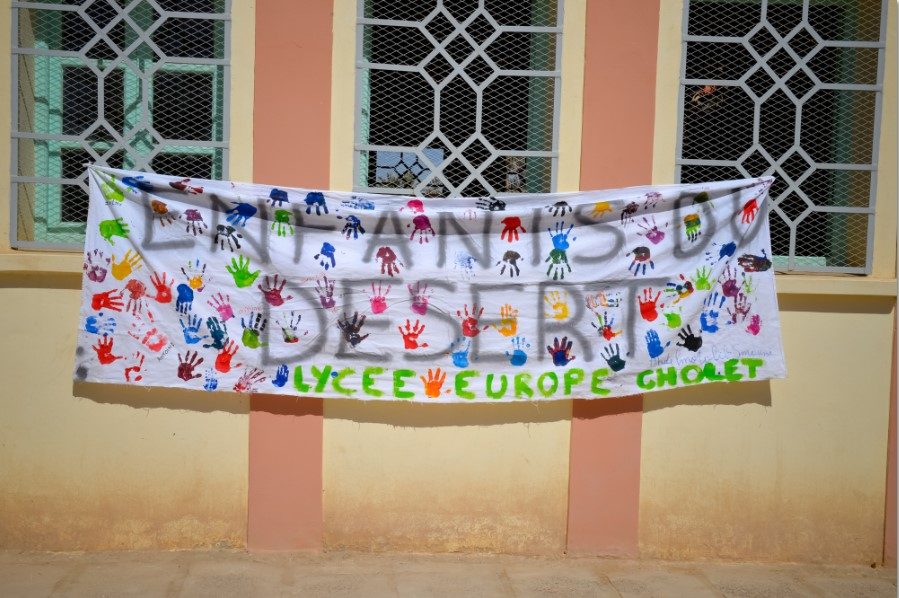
(290, 147)
(616, 151)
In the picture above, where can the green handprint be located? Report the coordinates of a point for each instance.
(748, 286)
(673, 318)
(240, 270)
(701, 279)
(113, 228)
(281, 225)
(111, 191)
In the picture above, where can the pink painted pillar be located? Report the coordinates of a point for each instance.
(291, 135)
(619, 110)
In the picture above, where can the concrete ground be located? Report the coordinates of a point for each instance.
(235, 573)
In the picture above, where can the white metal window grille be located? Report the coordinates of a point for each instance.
(135, 84)
(791, 88)
(457, 97)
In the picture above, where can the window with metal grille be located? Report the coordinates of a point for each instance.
(790, 88)
(134, 84)
(457, 97)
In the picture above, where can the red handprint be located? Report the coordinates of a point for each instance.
(388, 261)
(249, 379)
(750, 209)
(148, 334)
(378, 299)
(411, 333)
(104, 351)
(108, 300)
(510, 230)
(136, 293)
(470, 320)
(135, 367)
(434, 383)
(272, 291)
(187, 364)
(223, 359)
(649, 305)
(163, 287)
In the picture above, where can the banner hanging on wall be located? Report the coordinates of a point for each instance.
(221, 286)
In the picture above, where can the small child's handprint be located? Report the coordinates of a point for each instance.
(272, 291)
(281, 376)
(561, 351)
(434, 383)
(240, 214)
(470, 320)
(95, 265)
(352, 327)
(187, 364)
(518, 356)
(411, 333)
(103, 348)
(459, 351)
(649, 305)
(326, 258)
(613, 357)
(654, 344)
(222, 304)
(252, 329)
(420, 297)
(688, 340)
(604, 325)
(508, 321)
(558, 305)
(378, 298)
(131, 261)
(290, 327)
(191, 329)
(325, 289)
(701, 279)
(249, 379)
(240, 271)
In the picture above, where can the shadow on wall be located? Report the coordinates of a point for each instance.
(162, 398)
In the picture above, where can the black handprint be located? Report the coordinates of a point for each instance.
(688, 340)
(491, 204)
(351, 328)
(560, 208)
(613, 358)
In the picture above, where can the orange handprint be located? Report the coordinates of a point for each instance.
(434, 383)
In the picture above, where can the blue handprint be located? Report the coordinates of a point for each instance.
(560, 237)
(280, 378)
(561, 351)
(211, 381)
(185, 300)
(518, 357)
(316, 199)
(191, 330)
(97, 325)
(460, 355)
(725, 250)
(327, 253)
(358, 203)
(278, 197)
(240, 213)
(353, 227)
(137, 182)
(708, 319)
(654, 344)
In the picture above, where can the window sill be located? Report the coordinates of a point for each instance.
(787, 284)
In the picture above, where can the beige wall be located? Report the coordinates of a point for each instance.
(447, 478)
(791, 470)
(106, 467)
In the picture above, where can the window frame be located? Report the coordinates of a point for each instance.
(793, 263)
(49, 66)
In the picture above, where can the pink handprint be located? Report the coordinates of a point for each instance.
(422, 227)
(420, 297)
(325, 290)
(222, 304)
(378, 299)
(729, 286)
(755, 325)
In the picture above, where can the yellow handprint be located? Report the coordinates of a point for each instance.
(130, 262)
(508, 323)
(558, 303)
(600, 208)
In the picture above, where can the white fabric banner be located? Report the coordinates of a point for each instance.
(222, 286)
